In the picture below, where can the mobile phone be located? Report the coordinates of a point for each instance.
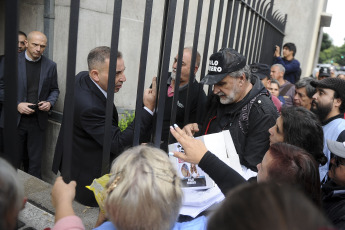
(34, 107)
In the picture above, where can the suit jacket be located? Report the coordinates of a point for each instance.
(2, 86)
(48, 89)
(88, 135)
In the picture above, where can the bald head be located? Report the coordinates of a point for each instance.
(36, 34)
(35, 44)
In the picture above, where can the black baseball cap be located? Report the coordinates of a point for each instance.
(260, 70)
(324, 72)
(225, 61)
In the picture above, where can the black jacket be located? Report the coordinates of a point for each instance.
(247, 120)
(197, 101)
(224, 176)
(48, 89)
(88, 135)
(333, 202)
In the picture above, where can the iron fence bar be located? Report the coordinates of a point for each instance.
(179, 62)
(258, 14)
(10, 81)
(250, 39)
(285, 20)
(239, 28)
(227, 23)
(207, 39)
(216, 38)
(245, 26)
(69, 96)
(261, 25)
(263, 34)
(192, 64)
(205, 54)
(268, 37)
(279, 22)
(257, 42)
(233, 24)
(255, 32)
(259, 21)
(111, 86)
(161, 49)
(264, 17)
(219, 24)
(142, 70)
(165, 67)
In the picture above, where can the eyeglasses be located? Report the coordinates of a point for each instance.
(338, 161)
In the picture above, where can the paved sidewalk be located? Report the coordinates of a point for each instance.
(39, 211)
(35, 217)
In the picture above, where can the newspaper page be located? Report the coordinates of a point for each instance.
(221, 145)
(191, 175)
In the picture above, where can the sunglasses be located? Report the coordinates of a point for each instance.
(338, 161)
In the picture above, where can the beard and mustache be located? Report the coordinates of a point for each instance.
(228, 99)
(320, 110)
(173, 75)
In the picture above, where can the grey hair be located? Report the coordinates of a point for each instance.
(98, 56)
(280, 66)
(245, 70)
(305, 82)
(144, 190)
(11, 192)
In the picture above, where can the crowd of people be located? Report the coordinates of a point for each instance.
(288, 131)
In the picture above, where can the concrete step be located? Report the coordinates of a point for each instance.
(35, 217)
(39, 211)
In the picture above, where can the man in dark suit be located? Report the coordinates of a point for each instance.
(21, 47)
(90, 96)
(37, 93)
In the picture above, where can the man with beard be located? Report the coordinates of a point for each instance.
(240, 103)
(329, 104)
(333, 191)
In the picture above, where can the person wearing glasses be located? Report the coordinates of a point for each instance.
(333, 191)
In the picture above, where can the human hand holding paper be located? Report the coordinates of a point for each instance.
(194, 149)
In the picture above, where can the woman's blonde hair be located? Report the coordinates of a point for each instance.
(144, 191)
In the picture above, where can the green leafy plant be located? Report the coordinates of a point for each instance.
(126, 119)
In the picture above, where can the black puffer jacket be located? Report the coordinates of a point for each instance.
(247, 120)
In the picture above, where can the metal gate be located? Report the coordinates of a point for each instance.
(250, 26)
